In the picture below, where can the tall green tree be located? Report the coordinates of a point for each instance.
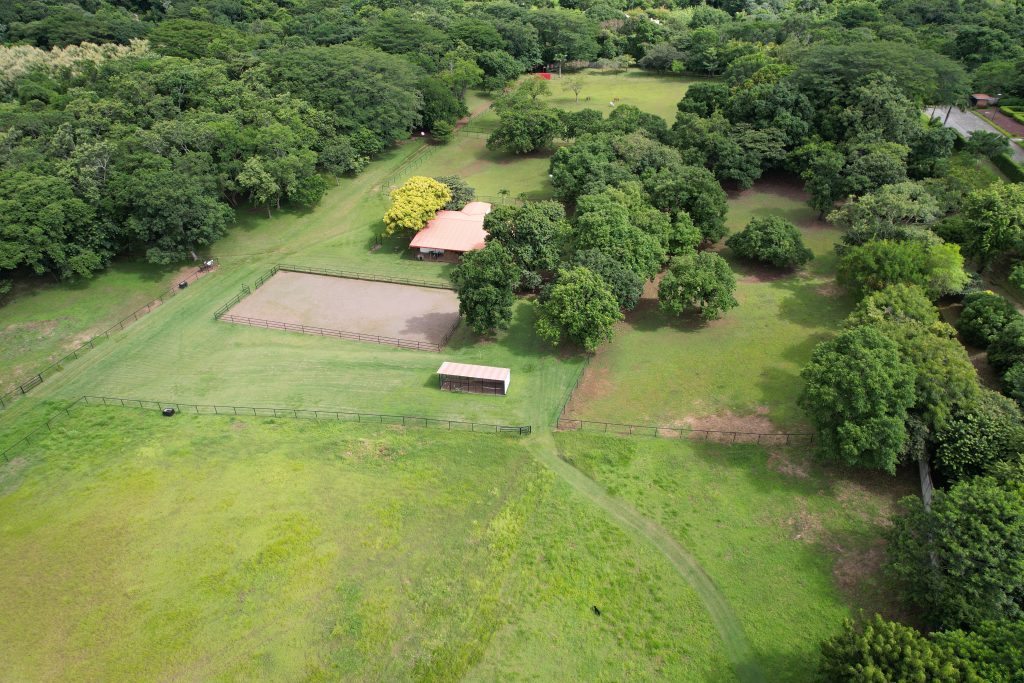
(485, 283)
(962, 562)
(858, 391)
(580, 307)
(698, 280)
(533, 234)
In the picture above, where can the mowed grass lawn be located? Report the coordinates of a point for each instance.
(42, 320)
(794, 547)
(137, 547)
(737, 373)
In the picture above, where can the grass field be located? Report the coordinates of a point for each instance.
(651, 92)
(206, 548)
(182, 354)
(240, 549)
(737, 373)
(791, 545)
(42, 321)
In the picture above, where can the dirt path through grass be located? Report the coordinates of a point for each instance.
(737, 648)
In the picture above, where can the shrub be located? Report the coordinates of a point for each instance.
(699, 280)
(987, 144)
(978, 436)
(1007, 349)
(771, 240)
(938, 268)
(962, 562)
(462, 193)
(443, 131)
(881, 650)
(984, 316)
(1017, 276)
(896, 303)
(1013, 383)
(415, 203)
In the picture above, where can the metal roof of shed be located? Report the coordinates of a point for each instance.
(455, 230)
(474, 371)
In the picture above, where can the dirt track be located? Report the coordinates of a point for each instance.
(375, 308)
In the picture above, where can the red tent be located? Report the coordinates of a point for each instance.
(545, 75)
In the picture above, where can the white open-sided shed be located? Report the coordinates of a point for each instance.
(481, 379)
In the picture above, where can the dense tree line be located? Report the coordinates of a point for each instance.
(146, 143)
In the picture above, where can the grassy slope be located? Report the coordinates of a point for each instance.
(778, 534)
(659, 370)
(225, 549)
(43, 321)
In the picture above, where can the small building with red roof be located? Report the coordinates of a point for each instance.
(453, 231)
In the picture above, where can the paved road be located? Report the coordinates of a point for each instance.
(965, 122)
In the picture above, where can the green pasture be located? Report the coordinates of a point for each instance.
(661, 370)
(181, 353)
(211, 548)
(795, 548)
(43, 321)
(651, 92)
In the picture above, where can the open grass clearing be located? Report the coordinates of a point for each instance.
(794, 547)
(739, 373)
(652, 92)
(139, 547)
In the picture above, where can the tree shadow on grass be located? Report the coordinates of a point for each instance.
(813, 303)
(648, 317)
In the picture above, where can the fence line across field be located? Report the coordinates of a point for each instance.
(254, 411)
(37, 378)
(352, 275)
(410, 344)
(717, 435)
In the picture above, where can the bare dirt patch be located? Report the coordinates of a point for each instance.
(594, 385)
(372, 308)
(787, 465)
(756, 274)
(10, 471)
(805, 526)
(37, 328)
(829, 289)
(854, 566)
(758, 423)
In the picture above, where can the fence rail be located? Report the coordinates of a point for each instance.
(254, 411)
(355, 275)
(411, 344)
(38, 432)
(36, 379)
(219, 313)
(266, 276)
(308, 414)
(720, 436)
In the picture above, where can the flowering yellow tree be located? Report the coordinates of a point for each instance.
(415, 203)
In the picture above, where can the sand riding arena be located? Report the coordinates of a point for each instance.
(410, 317)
